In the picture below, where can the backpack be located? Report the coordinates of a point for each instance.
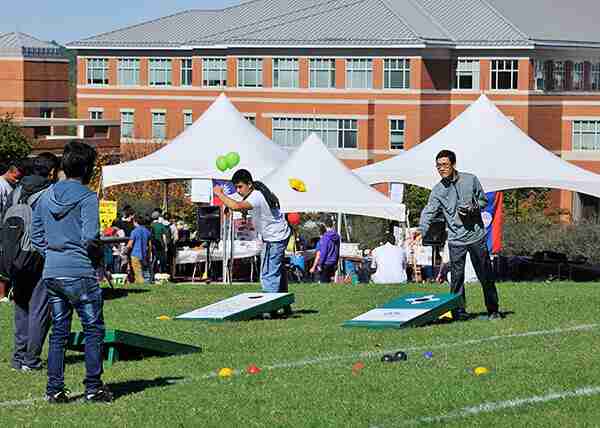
(16, 250)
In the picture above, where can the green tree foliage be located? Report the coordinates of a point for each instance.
(14, 144)
(415, 198)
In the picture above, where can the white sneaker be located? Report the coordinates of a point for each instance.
(4, 300)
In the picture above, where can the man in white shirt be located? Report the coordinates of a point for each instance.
(390, 261)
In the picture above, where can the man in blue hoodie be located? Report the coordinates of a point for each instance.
(329, 252)
(65, 230)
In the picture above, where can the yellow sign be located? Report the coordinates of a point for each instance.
(108, 213)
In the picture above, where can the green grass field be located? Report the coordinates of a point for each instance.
(544, 360)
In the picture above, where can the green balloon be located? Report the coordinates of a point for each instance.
(233, 159)
(222, 163)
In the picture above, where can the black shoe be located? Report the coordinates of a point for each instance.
(59, 397)
(460, 316)
(101, 395)
(495, 316)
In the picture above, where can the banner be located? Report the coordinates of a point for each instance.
(228, 188)
(108, 213)
(493, 220)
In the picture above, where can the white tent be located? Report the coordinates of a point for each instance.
(330, 185)
(490, 146)
(193, 154)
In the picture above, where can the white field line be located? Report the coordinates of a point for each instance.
(495, 406)
(364, 355)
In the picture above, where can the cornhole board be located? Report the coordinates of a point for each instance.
(244, 306)
(411, 310)
(116, 341)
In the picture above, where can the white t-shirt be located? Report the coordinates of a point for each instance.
(5, 190)
(391, 264)
(269, 223)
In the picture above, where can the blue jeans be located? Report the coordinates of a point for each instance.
(85, 296)
(273, 275)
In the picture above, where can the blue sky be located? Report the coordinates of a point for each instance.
(69, 20)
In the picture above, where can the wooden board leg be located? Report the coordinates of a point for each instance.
(113, 355)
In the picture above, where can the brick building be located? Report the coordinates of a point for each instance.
(372, 77)
(34, 78)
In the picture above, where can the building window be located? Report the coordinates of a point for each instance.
(159, 125)
(285, 73)
(466, 74)
(335, 133)
(187, 119)
(595, 77)
(160, 72)
(359, 73)
(540, 75)
(97, 71)
(186, 72)
(96, 113)
(397, 134)
(505, 74)
(46, 113)
(251, 119)
(215, 72)
(322, 73)
(250, 72)
(129, 72)
(127, 123)
(396, 73)
(578, 76)
(558, 75)
(586, 135)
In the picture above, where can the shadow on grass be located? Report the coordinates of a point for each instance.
(472, 316)
(118, 293)
(121, 389)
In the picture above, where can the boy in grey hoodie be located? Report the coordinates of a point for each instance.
(65, 230)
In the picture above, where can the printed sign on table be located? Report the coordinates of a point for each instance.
(108, 213)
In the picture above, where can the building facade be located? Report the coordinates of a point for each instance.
(371, 77)
(34, 78)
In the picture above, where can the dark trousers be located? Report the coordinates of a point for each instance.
(483, 268)
(327, 273)
(32, 321)
(85, 296)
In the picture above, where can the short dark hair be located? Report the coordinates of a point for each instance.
(24, 166)
(128, 211)
(447, 154)
(43, 164)
(328, 222)
(242, 176)
(79, 160)
(322, 228)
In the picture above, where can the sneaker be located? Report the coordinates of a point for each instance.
(495, 316)
(25, 368)
(59, 397)
(101, 395)
(460, 316)
(5, 300)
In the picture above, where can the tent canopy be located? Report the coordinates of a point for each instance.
(192, 155)
(330, 185)
(490, 146)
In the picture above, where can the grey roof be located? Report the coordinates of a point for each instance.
(363, 23)
(23, 45)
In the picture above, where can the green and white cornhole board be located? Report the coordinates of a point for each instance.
(244, 306)
(410, 310)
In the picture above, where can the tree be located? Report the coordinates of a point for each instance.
(14, 145)
(415, 198)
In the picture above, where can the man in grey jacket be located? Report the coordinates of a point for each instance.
(460, 198)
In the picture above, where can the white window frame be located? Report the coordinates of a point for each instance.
(187, 71)
(595, 76)
(321, 65)
(506, 66)
(96, 113)
(247, 66)
(561, 74)
(578, 84)
(99, 65)
(132, 123)
(188, 118)
(583, 128)
(467, 67)
(155, 125)
(362, 70)
(162, 67)
(396, 65)
(540, 77)
(126, 66)
(395, 130)
(294, 71)
(333, 132)
(209, 64)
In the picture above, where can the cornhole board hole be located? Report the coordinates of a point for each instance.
(244, 306)
(411, 310)
(118, 343)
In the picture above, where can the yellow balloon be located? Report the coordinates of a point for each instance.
(225, 372)
(481, 371)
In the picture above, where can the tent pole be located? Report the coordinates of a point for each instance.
(166, 196)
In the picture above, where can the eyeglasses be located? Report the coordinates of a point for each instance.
(443, 165)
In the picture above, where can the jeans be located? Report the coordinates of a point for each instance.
(273, 274)
(483, 268)
(85, 296)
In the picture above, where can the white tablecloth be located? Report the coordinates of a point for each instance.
(241, 250)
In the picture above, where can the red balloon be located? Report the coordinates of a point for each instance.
(294, 219)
